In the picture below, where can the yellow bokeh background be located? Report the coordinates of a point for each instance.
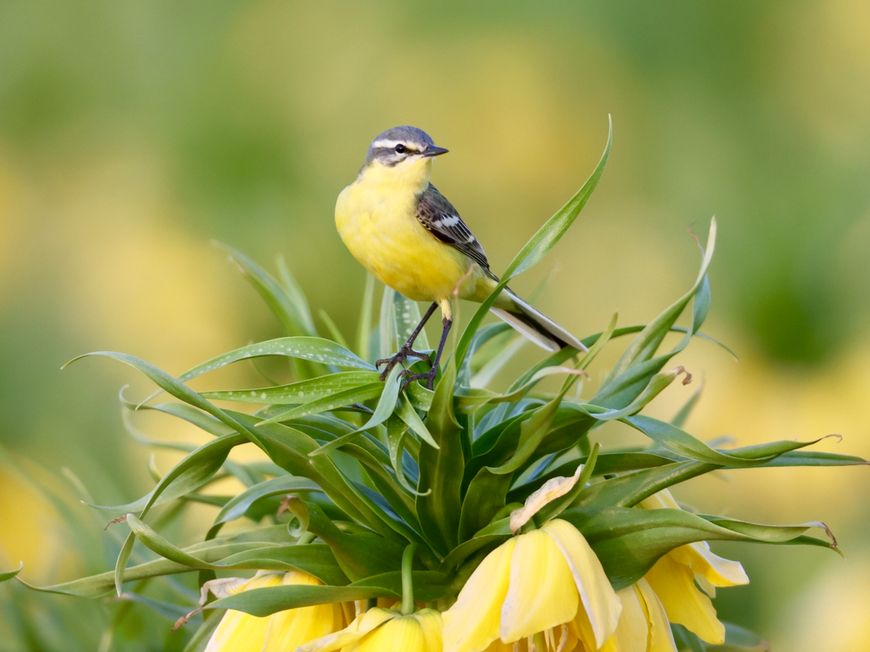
(132, 135)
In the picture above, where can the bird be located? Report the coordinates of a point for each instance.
(406, 233)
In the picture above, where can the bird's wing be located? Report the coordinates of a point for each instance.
(442, 220)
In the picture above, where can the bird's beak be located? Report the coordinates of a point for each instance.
(434, 150)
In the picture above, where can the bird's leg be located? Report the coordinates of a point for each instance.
(429, 376)
(407, 349)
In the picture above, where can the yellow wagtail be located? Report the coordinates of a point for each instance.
(406, 234)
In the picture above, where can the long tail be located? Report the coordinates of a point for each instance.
(534, 324)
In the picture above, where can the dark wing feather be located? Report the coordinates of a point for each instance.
(442, 220)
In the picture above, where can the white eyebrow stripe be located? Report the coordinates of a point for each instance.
(388, 144)
(451, 220)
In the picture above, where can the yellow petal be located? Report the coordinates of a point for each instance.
(558, 639)
(548, 492)
(716, 570)
(432, 626)
(259, 581)
(542, 593)
(363, 625)
(240, 631)
(661, 638)
(498, 646)
(684, 603)
(294, 627)
(400, 633)
(291, 628)
(663, 499)
(632, 632)
(472, 622)
(600, 603)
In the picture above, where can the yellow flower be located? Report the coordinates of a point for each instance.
(378, 630)
(285, 630)
(528, 586)
(676, 577)
(643, 625)
(564, 638)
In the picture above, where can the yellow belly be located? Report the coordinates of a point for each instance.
(381, 231)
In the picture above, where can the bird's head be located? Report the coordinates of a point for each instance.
(404, 152)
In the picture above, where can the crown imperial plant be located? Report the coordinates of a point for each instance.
(385, 516)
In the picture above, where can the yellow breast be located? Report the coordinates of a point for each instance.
(376, 219)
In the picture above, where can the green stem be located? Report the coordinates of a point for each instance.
(407, 581)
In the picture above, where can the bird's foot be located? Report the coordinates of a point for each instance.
(409, 377)
(403, 354)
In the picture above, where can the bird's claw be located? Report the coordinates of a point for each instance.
(409, 377)
(403, 354)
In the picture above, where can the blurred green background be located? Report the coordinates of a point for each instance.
(132, 134)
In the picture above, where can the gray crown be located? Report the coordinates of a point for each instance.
(383, 145)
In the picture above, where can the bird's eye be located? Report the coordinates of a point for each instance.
(401, 149)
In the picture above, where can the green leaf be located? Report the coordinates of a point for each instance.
(396, 437)
(387, 336)
(406, 316)
(439, 504)
(682, 415)
(739, 639)
(364, 332)
(657, 384)
(686, 641)
(493, 533)
(532, 432)
(489, 362)
(296, 297)
(484, 498)
(387, 402)
(291, 449)
(288, 305)
(409, 416)
(8, 575)
(687, 446)
(813, 458)
(473, 399)
(332, 328)
(544, 239)
(202, 462)
(177, 389)
(553, 509)
(299, 392)
(428, 585)
(342, 399)
(392, 492)
(358, 551)
(614, 461)
(553, 229)
(265, 601)
(314, 559)
(239, 505)
(209, 551)
(301, 347)
(169, 611)
(628, 541)
(630, 488)
(636, 365)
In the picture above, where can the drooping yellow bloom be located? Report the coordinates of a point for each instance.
(564, 638)
(378, 630)
(643, 625)
(285, 630)
(677, 576)
(531, 584)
